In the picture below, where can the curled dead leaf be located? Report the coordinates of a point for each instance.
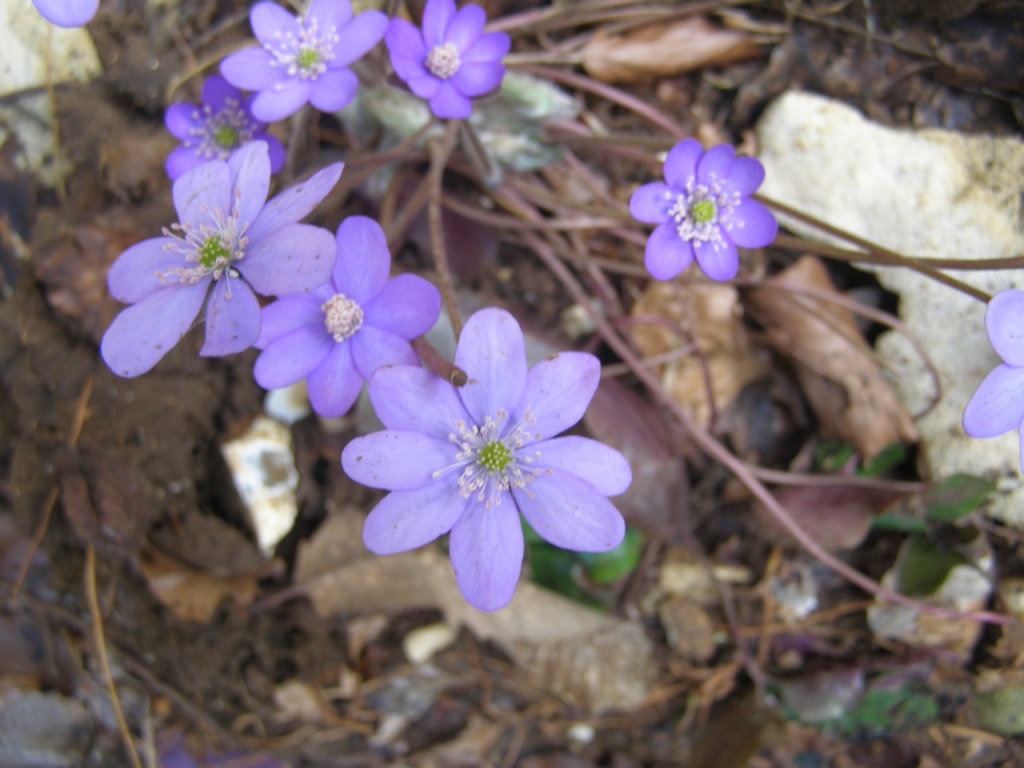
(833, 363)
(661, 50)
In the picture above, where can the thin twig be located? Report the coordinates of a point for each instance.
(440, 151)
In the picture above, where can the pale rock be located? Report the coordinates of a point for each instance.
(924, 193)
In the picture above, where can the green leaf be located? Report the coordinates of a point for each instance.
(606, 567)
(885, 460)
(955, 497)
(884, 711)
(923, 566)
(899, 524)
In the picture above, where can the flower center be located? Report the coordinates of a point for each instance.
(213, 251)
(342, 316)
(494, 456)
(226, 136)
(443, 60)
(306, 54)
(216, 134)
(701, 212)
(490, 459)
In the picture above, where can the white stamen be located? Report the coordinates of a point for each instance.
(443, 60)
(342, 316)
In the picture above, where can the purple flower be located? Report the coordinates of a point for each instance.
(703, 209)
(339, 334)
(67, 13)
(305, 58)
(998, 404)
(469, 460)
(230, 243)
(452, 60)
(216, 128)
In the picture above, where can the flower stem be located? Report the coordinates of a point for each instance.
(440, 151)
(436, 362)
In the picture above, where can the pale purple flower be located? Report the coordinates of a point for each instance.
(452, 60)
(303, 59)
(67, 13)
(231, 244)
(703, 209)
(469, 460)
(336, 336)
(215, 128)
(998, 404)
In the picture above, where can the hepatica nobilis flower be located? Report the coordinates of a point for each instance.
(230, 244)
(703, 209)
(215, 128)
(305, 58)
(469, 460)
(336, 336)
(67, 13)
(998, 404)
(451, 60)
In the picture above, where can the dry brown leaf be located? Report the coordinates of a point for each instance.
(710, 315)
(661, 50)
(194, 595)
(834, 364)
(590, 658)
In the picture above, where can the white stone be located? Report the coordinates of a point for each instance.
(262, 466)
(921, 193)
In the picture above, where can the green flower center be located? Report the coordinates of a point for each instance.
(307, 58)
(212, 252)
(226, 136)
(703, 211)
(494, 456)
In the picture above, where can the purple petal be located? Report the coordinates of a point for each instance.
(252, 69)
(1004, 321)
(143, 333)
(416, 400)
(285, 315)
(752, 225)
(373, 349)
(424, 85)
(570, 513)
(998, 404)
(67, 13)
(217, 90)
(492, 353)
(270, 21)
(329, 13)
(436, 15)
(333, 90)
(603, 467)
(250, 178)
(681, 162)
(359, 36)
(715, 164)
(720, 262)
(405, 520)
(205, 188)
(407, 306)
(486, 548)
(181, 161)
(291, 259)
(491, 47)
(745, 175)
(399, 461)
(335, 385)
(281, 100)
(292, 357)
(477, 79)
(465, 27)
(650, 203)
(405, 48)
(449, 104)
(558, 391)
(232, 318)
(295, 202)
(180, 119)
(667, 254)
(136, 273)
(274, 150)
(363, 259)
